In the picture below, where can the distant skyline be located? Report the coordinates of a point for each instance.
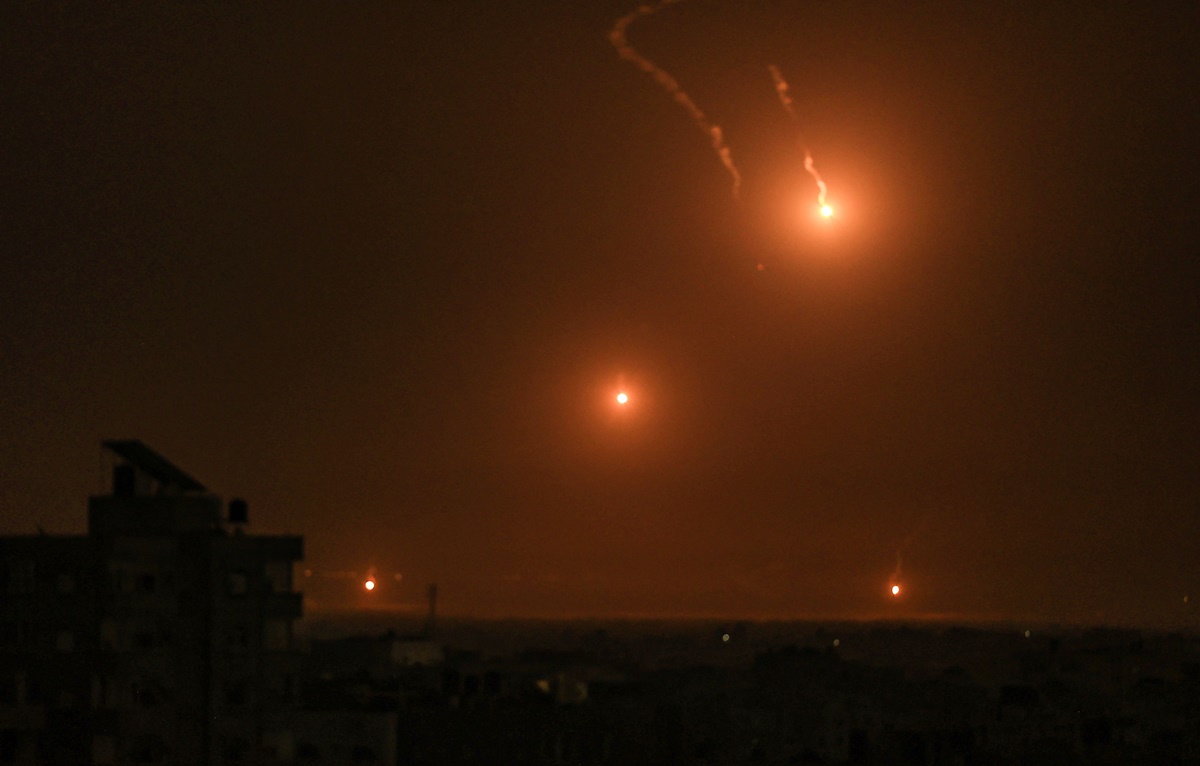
(382, 271)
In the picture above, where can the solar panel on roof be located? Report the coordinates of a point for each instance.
(153, 464)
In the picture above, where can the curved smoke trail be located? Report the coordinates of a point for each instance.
(903, 547)
(781, 87)
(668, 83)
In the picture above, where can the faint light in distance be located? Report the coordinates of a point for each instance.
(895, 590)
(369, 585)
(725, 637)
(622, 398)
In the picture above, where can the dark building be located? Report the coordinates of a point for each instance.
(163, 635)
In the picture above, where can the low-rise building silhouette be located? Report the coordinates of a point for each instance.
(163, 635)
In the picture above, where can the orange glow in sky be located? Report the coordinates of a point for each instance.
(827, 211)
(895, 590)
(622, 398)
(369, 585)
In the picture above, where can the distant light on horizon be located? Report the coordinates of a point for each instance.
(369, 585)
(895, 590)
(622, 398)
(827, 211)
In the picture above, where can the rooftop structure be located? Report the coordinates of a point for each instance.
(163, 635)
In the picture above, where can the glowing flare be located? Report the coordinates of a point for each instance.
(895, 590)
(369, 585)
(622, 398)
(781, 89)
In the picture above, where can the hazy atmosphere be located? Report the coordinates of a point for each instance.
(381, 269)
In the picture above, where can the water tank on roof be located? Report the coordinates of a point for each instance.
(239, 512)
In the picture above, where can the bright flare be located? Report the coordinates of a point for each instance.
(622, 398)
(895, 590)
(369, 585)
(781, 88)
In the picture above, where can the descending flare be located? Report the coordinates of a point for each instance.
(900, 555)
(668, 83)
(781, 88)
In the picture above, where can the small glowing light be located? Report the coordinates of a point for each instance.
(369, 585)
(725, 638)
(1027, 634)
(622, 398)
(837, 642)
(895, 590)
(308, 573)
(827, 211)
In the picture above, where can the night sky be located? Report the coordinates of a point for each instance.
(380, 268)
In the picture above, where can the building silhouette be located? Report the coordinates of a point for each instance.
(163, 635)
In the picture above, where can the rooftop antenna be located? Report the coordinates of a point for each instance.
(432, 616)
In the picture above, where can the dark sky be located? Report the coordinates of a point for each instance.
(380, 268)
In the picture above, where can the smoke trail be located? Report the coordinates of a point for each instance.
(668, 83)
(903, 547)
(781, 87)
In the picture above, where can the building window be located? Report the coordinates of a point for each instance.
(279, 575)
(235, 692)
(65, 641)
(237, 638)
(8, 746)
(109, 634)
(20, 577)
(21, 691)
(100, 689)
(66, 583)
(8, 690)
(16, 634)
(145, 694)
(104, 750)
(280, 746)
(307, 752)
(148, 748)
(236, 749)
(147, 583)
(237, 584)
(291, 688)
(119, 580)
(276, 635)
